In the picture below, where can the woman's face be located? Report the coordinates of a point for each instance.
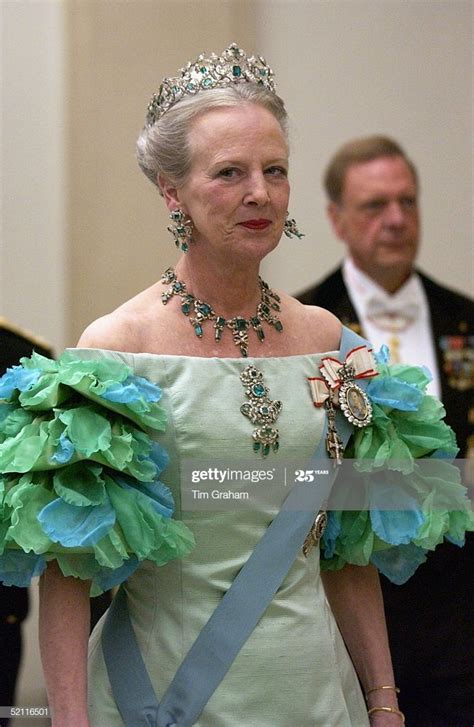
(236, 193)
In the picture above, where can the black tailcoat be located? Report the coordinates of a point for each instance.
(430, 618)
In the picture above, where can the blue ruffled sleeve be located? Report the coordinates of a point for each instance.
(413, 491)
(79, 473)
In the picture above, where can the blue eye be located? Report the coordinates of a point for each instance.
(277, 171)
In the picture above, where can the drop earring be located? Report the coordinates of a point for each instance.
(180, 229)
(290, 229)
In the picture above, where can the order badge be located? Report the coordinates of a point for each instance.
(355, 404)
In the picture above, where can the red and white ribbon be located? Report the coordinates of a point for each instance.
(360, 359)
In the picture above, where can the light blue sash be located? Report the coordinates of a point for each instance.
(234, 619)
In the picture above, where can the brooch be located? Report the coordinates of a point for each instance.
(336, 387)
(261, 410)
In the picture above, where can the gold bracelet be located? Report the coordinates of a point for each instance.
(392, 710)
(383, 686)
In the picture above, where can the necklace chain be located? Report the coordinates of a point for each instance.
(202, 312)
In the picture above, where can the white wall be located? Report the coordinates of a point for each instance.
(33, 243)
(350, 68)
(33, 235)
(118, 54)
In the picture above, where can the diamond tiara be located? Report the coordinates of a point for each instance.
(233, 66)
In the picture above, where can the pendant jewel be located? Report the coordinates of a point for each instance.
(180, 229)
(354, 402)
(261, 410)
(316, 532)
(219, 324)
(355, 405)
(239, 326)
(334, 445)
(291, 229)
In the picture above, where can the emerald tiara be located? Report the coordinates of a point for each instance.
(233, 66)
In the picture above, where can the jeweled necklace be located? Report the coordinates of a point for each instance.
(269, 301)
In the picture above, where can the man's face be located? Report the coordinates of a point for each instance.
(378, 216)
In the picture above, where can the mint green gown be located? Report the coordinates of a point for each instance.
(80, 484)
(294, 668)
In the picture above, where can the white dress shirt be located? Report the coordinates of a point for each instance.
(402, 319)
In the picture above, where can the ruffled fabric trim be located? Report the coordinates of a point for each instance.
(429, 502)
(80, 475)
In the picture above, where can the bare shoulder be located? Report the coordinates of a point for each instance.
(324, 327)
(126, 328)
(114, 332)
(321, 329)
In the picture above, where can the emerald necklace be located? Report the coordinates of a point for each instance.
(202, 312)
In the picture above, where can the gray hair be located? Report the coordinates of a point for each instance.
(163, 148)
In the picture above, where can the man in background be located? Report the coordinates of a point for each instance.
(373, 208)
(14, 344)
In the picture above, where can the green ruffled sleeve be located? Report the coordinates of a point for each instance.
(402, 463)
(79, 474)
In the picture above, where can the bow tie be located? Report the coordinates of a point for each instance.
(392, 315)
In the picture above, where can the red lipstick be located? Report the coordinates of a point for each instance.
(260, 224)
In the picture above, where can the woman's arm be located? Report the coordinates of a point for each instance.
(64, 622)
(355, 597)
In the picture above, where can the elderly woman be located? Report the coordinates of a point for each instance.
(215, 144)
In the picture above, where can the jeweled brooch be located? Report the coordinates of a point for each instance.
(353, 401)
(261, 410)
(336, 387)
